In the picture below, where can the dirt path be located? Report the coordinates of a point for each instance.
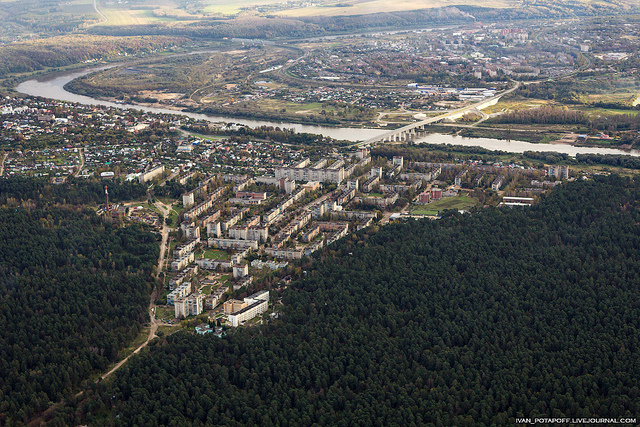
(95, 7)
(152, 304)
(2, 163)
(154, 323)
(81, 162)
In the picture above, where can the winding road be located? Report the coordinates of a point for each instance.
(153, 323)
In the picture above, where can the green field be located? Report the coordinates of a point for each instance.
(433, 208)
(215, 254)
(165, 312)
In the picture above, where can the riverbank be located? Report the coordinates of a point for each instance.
(552, 137)
(53, 88)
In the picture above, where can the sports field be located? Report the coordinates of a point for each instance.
(433, 208)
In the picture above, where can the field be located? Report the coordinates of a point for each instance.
(166, 313)
(357, 7)
(225, 7)
(215, 254)
(433, 208)
(131, 17)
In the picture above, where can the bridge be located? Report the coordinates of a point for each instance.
(418, 129)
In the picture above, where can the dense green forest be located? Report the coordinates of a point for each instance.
(73, 292)
(15, 190)
(471, 320)
(284, 135)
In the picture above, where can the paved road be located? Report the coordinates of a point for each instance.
(95, 7)
(435, 119)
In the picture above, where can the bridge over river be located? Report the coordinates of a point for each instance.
(418, 129)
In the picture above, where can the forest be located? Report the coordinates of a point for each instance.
(74, 191)
(471, 320)
(67, 50)
(284, 135)
(73, 293)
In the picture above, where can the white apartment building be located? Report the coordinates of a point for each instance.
(148, 176)
(182, 262)
(256, 304)
(180, 292)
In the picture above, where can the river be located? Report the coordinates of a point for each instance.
(53, 88)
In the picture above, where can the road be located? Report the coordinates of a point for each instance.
(81, 162)
(435, 119)
(95, 7)
(2, 163)
(153, 322)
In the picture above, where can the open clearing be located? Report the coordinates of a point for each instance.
(132, 17)
(358, 7)
(433, 208)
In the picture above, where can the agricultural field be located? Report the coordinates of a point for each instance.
(459, 202)
(129, 17)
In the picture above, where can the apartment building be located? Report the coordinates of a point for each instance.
(252, 306)
(153, 173)
(180, 292)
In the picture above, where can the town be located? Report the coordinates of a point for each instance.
(239, 210)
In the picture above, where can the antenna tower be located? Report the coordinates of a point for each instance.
(106, 194)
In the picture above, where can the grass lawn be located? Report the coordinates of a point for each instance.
(206, 290)
(375, 194)
(215, 254)
(142, 337)
(168, 330)
(459, 202)
(165, 312)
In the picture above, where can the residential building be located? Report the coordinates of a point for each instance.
(233, 243)
(459, 176)
(180, 292)
(182, 250)
(240, 270)
(255, 304)
(497, 183)
(191, 305)
(182, 262)
(560, 172)
(153, 173)
(424, 197)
